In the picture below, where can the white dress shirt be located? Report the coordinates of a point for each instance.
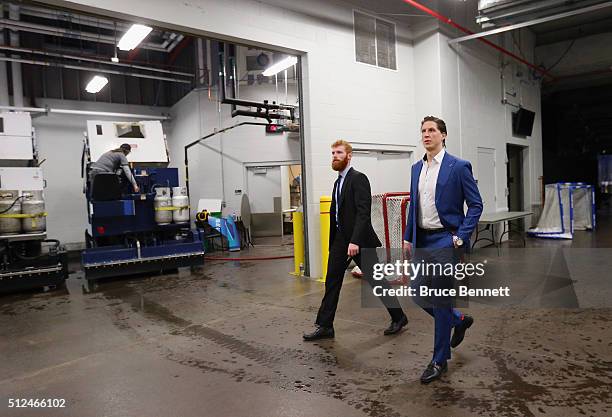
(428, 217)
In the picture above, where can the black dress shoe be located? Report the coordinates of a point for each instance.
(396, 326)
(319, 333)
(433, 372)
(460, 329)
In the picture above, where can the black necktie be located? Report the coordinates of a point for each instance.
(337, 194)
(337, 187)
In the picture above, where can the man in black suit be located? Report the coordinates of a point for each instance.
(351, 231)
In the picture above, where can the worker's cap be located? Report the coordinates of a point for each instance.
(126, 147)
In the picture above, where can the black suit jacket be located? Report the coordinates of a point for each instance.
(355, 217)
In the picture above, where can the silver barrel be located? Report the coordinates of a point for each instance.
(162, 203)
(181, 202)
(9, 207)
(33, 204)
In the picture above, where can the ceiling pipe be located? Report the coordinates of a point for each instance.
(94, 69)
(263, 108)
(66, 16)
(503, 12)
(170, 40)
(48, 111)
(532, 22)
(4, 95)
(66, 33)
(100, 61)
(450, 22)
(200, 69)
(16, 79)
(173, 42)
(84, 20)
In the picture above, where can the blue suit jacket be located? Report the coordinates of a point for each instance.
(455, 186)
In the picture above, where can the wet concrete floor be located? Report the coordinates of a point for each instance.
(225, 340)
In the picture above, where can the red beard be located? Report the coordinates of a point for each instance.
(339, 165)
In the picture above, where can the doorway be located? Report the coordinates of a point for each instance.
(485, 177)
(515, 181)
(274, 193)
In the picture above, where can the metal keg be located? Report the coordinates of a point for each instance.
(180, 199)
(33, 203)
(162, 203)
(9, 226)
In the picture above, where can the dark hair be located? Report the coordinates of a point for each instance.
(125, 147)
(440, 124)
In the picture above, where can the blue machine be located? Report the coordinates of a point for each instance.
(124, 238)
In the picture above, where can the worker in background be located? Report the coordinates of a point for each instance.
(112, 161)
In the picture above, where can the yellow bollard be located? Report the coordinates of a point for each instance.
(325, 204)
(298, 243)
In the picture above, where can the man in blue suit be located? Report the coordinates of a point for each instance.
(437, 228)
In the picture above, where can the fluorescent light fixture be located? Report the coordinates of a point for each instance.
(280, 66)
(96, 84)
(133, 37)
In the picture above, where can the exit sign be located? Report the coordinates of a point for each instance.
(274, 128)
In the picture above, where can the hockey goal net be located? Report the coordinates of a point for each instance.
(389, 216)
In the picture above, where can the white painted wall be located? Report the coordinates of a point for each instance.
(387, 172)
(217, 165)
(465, 89)
(60, 142)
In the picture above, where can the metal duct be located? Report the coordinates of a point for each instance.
(537, 21)
(48, 110)
(99, 61)
(4, 95)
(505, 12)
(98, 22)
(15, 65)
(93, 69)
(55, 31)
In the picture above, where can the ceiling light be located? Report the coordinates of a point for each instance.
(133, 37)
(96, 84)
(280, 66)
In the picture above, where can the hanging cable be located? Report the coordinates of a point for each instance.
(562, 55)
(12, 205)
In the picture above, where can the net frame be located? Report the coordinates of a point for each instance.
(392, 209)
(389, 215)
(568, 207)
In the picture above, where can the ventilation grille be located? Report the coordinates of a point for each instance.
(374, 41)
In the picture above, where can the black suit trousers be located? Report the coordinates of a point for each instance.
(336, 267)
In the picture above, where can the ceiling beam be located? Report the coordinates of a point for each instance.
(532, 22)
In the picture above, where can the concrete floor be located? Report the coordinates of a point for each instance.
(225, 340)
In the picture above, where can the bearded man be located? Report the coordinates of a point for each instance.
(351, 232)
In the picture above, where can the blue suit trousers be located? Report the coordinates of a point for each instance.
(433, 249)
